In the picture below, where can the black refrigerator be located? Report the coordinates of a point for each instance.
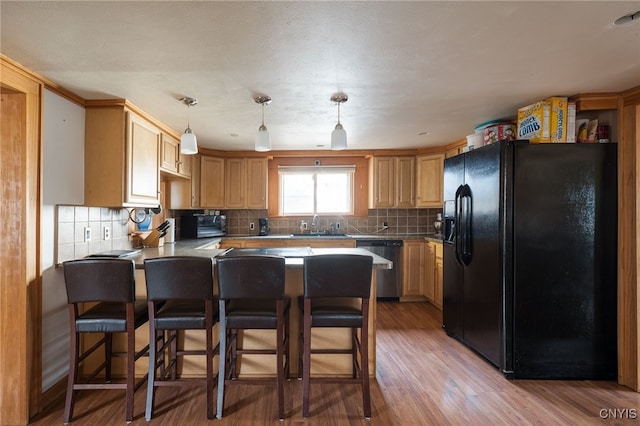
(530, 253)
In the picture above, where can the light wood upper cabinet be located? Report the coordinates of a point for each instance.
(171, 160)
(122, 154)
(381, 182)
(246, 183)
(256, 183)
(235, 183)
(169, 153)
(429, 180)
(413, 268)
(185, 193)
(391, 182)
(185, 165)
(212, 178)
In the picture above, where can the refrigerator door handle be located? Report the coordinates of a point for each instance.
(458, 225)
(466, 208)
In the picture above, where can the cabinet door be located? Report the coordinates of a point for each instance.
(235, 183)
(185, 165)
(405, 178)
(195, 180)
(430, 169)
(438, 274)
(169, 154)
(382, 182)
(413, 268)
(430, 267)
(143, 177)
(211, 182)
(256, 183)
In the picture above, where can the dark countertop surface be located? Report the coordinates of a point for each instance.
(205, 247)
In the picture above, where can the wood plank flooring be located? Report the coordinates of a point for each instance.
(423, 378)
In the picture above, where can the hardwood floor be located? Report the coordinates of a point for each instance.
(423, 378)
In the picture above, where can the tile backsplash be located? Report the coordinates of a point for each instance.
(72, 221)
(399, 222)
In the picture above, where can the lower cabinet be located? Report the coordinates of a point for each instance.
(433, 273)
(413, 271)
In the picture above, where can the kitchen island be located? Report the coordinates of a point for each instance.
(257, 366)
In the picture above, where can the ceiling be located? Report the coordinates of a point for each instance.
(417, 74)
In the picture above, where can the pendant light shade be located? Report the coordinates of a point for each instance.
(338, 138)
(263, 139)
(339, 135)
(188, 143)
(188, 140)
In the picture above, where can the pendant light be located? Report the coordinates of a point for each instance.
(263, 140)
(188, 141)
(339, 135)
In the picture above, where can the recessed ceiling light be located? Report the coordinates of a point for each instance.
(426, 132)
(627, 19)
(234, 135)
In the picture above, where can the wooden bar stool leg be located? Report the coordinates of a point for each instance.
(222, 360)
(131, 365)
(73, 374)
(280, 336)
(108, 350)
(209, 352)
(364, 354)
(306, 359)
(151, 379)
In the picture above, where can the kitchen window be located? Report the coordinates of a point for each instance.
(316, 190)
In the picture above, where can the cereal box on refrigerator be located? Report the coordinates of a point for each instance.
(571, 122)
(558, 125)
(534, 122)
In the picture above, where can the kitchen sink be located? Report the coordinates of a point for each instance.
(319, 235)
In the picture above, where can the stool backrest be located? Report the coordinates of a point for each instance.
(99, 280)
(337, 275)
(179, 278)
(251, 277)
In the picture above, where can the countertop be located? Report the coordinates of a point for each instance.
(200, 247)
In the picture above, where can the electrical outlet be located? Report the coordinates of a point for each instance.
(106, 233)
(385, 225)
(87, 233)
(337, 225)
(252, 226)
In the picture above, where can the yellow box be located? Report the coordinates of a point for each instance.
(558, 126)
(534, 122)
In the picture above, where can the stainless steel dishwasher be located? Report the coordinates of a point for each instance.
(389, 281)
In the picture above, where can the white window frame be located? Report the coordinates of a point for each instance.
(315, 170)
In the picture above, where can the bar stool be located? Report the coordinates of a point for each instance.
(336, 294)
(180, 297)
(251, 291)
(109, 285)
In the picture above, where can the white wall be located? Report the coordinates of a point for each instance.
(63, 136)
(63, 183)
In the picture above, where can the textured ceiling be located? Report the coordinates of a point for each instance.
(417, 73)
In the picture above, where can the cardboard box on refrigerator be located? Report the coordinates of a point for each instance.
(534, 122)
(558, 125)
(571, 122)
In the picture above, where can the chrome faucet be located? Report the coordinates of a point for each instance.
(315, 221)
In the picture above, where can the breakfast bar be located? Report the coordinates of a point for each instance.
(258, 366)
